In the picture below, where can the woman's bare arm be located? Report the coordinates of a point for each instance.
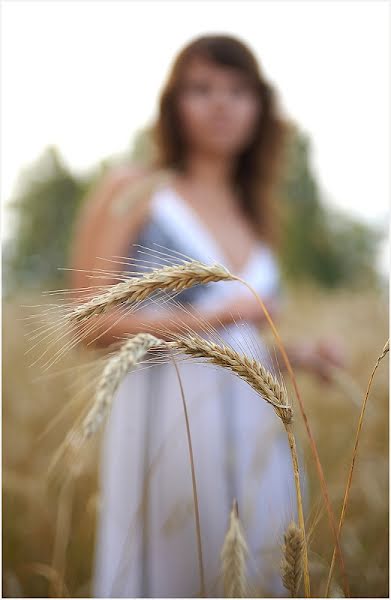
(91, 237)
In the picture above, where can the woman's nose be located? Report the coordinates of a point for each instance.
(221, 95)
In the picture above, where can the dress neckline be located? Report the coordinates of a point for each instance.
(213, 248)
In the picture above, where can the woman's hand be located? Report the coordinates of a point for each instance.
(247, 308)
(320, 357)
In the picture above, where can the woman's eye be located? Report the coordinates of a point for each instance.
(201, 89)
(238, 90)
(198, 89)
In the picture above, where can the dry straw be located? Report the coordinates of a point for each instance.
(233, 558)
(292, 565)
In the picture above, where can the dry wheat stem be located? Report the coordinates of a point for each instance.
(63, 528)
(295, 464)
(252, 371)
(292, 565)
(350, 476)
(55, 580)
(194, 484)
(233, 558)
(136, 289)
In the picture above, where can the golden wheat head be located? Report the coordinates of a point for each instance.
(129, 354)
(292, 565)
(249, 369)
(173, 278)
(233, 557)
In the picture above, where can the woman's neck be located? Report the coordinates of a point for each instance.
(210, 171)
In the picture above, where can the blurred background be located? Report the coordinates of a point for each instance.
(80, 82)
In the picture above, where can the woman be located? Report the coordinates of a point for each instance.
(219, 142)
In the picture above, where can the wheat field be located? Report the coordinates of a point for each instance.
(48, 530)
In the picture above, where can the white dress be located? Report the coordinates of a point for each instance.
(146, 538)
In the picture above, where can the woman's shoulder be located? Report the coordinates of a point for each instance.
(108, 193)
(120, 174)
(110, 187)
(134, 186)
(135, 172)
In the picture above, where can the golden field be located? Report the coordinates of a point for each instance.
(48, 528)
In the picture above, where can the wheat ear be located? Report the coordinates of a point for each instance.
(292, 565)
(134, 290)
(129, 354)
(233, 557)
(252, 371)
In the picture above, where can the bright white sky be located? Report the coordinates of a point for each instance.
(85, 75)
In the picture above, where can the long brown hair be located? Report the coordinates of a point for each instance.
(259, 165)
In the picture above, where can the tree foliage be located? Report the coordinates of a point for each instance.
(320, 242)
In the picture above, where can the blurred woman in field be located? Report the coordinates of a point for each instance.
(209, 194)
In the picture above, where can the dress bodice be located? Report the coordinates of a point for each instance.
(174, 228)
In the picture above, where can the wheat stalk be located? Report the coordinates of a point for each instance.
(292, 565)
(172, 278)
(252, 371)
(385, 351)
(233, 557)
(194, 483)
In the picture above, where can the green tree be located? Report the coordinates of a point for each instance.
(319, 242)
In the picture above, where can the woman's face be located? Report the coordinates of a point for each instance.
(218, 109)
